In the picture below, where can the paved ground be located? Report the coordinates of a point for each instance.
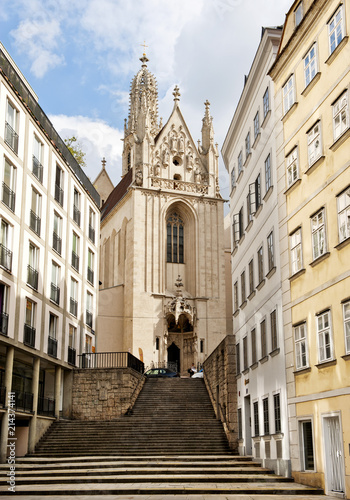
(172, 497)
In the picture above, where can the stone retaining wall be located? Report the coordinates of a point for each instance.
(103, 393)
(220, 379)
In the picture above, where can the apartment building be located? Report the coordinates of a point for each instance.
(249, 153)
(49, 217)
(312, 78)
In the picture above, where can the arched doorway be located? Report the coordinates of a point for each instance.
(174, 356)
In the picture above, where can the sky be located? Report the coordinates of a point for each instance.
(80, 56)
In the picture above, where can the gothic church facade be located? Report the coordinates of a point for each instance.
(162, 267)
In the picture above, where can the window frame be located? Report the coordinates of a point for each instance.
(266, 102)
(247, 143)
(301, 348)
(270, 251)
(277, 412)
(251, 276)
(298, 14)
(318, 231)
(256, 418)
(346, 320)
(243, 288)
(240, 162)
(292, 167)
(263, 338)
(337, 41)
(343, 210)
(260, 254)
(274, 330)
(265, 402)
(314, 143)
(254, 346)
(175, 231)
(340, 106)
(302, 444)
(322, 339)
(256, 125)
(310, 64)
(294, 248)
(268, 177)
(288, 94)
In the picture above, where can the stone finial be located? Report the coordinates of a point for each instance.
(103, 161)
(176, 93)
(207, 117)
(144, 58)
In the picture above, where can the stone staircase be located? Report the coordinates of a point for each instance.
(169, 444)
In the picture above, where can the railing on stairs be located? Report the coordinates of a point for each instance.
(110, 360)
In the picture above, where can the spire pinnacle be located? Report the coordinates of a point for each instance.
(176, 93)
(144, 58)
(103, 161)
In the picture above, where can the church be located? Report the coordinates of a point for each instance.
(162, 262)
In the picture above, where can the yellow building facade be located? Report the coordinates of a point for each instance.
(312, 79)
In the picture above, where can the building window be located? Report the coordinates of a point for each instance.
(253, 198)
(263, 339)
(336, 30)
(33, 275)
(72, 335)
(301, 351)
(88, 344)
(239, 423)
(277, 408)
(59, 185)
(243, 292)
(256, 418)
(270, 251)
(266, 416)
(324, 335)
(238, 359)
(254, 352)
(55, 279)
(274, 336)
(288, 94)
(29, 323)
(247, 145)
(296, 251)
(298, 14)
(340, 116)
(314, 146)
(344, 215)
(175, 239)
(89, 316)
(52, 340)
(251, 276)
(245, 353)
(240, 163)
(260, 265)
(9, 186)
(37, 159)
(233, 178)
(4, 317)
(201, 346)
(307, 447)
(75, 252)
(237, 227)
(157, 343)
(235, 295)
(268, 183)
(256, 126)
(73, 305)
(76, 207)
(57, 233)
(266, 102)
(5, 252)
(346, 312)
(292, 166)
(318, 231)
(310, 65)
(11, 127)
(90, 268)
(35, 212)
(92, 225)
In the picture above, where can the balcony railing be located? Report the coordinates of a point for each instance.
(71, 356)
(57, 243)
(75, 261)
(8, 197)
(5, 258)
(11, 137)
(4, 321)
(110, 360)
(29, 335)
(38, 169)
(33, 277)
(46, 406)
(73, 307)
(76, 215)
(55, 293)
(91, 233)
(22, 401)
(88, 318)
(59, 194)
(35, 222)
(90, 275)
(52, 347)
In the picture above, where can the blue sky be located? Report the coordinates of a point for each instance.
(81, 55)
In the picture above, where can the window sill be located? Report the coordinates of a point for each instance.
(236, 313)
(343, 243)
(260, 285)
(339, 141)
(289, 112)
(239, 375)
(271, 272)
(297, 274)
(346, 357)
(255, 143)
(307, 369)
(252, 295)
(241, 239)
(320, 259)
(254, 365)
(245, 371)
(240, 175)
(257, 213)
(315, 165)
(234, 251)
(268, 193)
(275, 352)
(266, 119)
(243, 304)
(249, 226)
(324, 364)
(263, 360)
(292, 186)
(336, 51)
(233, 190)
(311, 84)
(247, 160)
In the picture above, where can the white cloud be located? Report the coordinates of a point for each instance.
(98, 140)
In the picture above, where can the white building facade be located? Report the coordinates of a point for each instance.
(48, 262)
(249, 153)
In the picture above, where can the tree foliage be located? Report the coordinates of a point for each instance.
(75, 148)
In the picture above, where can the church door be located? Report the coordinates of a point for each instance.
(174, 357)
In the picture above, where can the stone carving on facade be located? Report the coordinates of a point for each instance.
(179, 305)
(181, 145)
(139, 177)
(166, 157)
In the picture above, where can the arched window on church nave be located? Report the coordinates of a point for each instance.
(175, 239)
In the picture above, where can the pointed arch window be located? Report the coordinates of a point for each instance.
(175, 239)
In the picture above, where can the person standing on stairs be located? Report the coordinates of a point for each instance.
(192, 370)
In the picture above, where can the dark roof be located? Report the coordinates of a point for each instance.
(116, 195)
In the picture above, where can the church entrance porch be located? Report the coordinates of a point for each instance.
(174, 361)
